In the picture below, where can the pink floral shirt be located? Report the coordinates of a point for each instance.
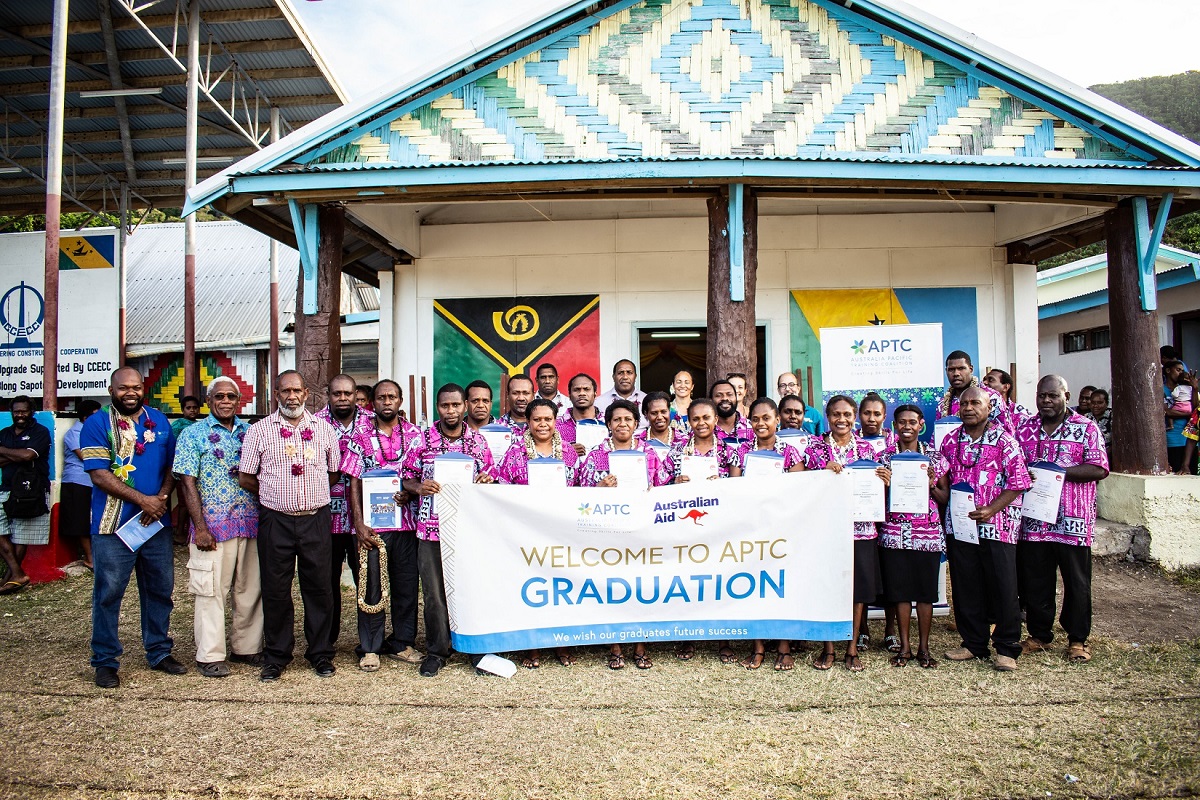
(886, 439)
(915, 531)
(418, 466)
(991, 464)
(791, 456)
(1007, 417)
(857, 450)
(514, 464)
(741, 429)
(339, 494)
(372, 450)
(594, 467)
(724, 453)
(678, 438)
(1077, 441)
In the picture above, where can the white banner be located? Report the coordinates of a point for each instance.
(878, 357)
(87, 312)
(769, 558)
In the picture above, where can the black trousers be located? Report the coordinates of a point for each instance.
(288, 544)
(343, 550)
(985, 584)
(403, 576)
(1040, 564)
(433, 590)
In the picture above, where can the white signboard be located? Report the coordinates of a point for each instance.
(877, 357)
(87, 312)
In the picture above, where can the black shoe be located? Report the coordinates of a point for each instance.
(324, 667)
(106, 678)
(270, 673)
(253, 659)
(170, 666)
(430, 666)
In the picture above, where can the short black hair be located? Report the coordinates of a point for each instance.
(791, 398)
(595, 386)
(702, 401)
(86, 408)
(960, 355)
(617, 405)
(1167, 351)
(548, 366)
(841, 398)
(451, 388)
(367, 390)
(624, 361)
(521, 377)
(379, 383)
(713, 389)
(1101, 391)
(21, 398)
(477, 385)
(873, 397)
(763, 401)
(916, 409)
(279, 378)
(540, 402)
(651, 397)
(189, 398)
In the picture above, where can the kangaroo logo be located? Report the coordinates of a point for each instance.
(694, 516)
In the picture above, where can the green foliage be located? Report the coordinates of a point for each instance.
(77, 219)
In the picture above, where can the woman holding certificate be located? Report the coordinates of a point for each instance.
(910, 539)
(872, 412)
(843, 448)
(764, 419)
(618, 460)
(703, 455)
(659, 432)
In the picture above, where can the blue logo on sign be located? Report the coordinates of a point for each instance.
(881, 346)
(22, 310)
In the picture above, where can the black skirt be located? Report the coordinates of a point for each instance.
(910, 576)
(867, 581)
(75, 510)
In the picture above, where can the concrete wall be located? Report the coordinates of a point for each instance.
(654, 271)
(1167, 506)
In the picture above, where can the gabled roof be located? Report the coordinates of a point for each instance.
(1083, 284)
(803, 80)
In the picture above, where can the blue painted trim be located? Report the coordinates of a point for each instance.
(491, 67)
(1166, 280)
(1160, 226)
(736, 225)
(308, 238)
(361, 317)
(880, 171)
(1141, 239)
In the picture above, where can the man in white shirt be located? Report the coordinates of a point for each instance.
(624, 388)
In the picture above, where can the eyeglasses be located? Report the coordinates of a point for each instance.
(224, 396)
(792, 385)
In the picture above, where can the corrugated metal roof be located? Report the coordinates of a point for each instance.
(232, 285)
(1089, 275)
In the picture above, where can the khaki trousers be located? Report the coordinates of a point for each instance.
(214, 576)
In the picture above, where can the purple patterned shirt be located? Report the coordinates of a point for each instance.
(1077, 441)
(915, 531)
(565, 425)
(886, 439)
(991, 464)
(857, 450)
(1007, 417)
(595, 466)
(339, 494)
(678, 438)
(370, 450)
(418, 466)
(741, 429)
(514, 465)
(724, 453)
(791, 456)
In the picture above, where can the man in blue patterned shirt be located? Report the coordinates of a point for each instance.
(224, 517)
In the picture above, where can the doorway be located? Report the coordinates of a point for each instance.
(1186, 338)
(663, 351)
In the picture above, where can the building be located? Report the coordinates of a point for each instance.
(1074, 334)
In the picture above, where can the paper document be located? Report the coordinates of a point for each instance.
(629, 468)
(868, 492)
(878, 444)
(497, 665)
(962, 503)
(379, 487)
(1043, 499)
(762, 462)
(134, 534)
(942, 428)
(698, 468)
(547, 472)
(498, 438)
(452, 468)
(589, 434)
(909, 492)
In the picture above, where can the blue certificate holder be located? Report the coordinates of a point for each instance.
(942, 429)
(792, 435)
(379, 487)
(658, 446)
(909, 492)
(630, 468)
(134, 534)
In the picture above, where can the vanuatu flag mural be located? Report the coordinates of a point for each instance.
(480, 338)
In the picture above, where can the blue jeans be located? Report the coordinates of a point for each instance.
(154, 565)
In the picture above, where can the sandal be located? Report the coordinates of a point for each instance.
(853, 663)
(925, 660)
(642, 661)
(784, 662)
(12, 587)
(616, 661)
(754, 660)
(892, 644)
(901, 659)
(727, 655)
(823, 661)
(684, 652)
(1079, 653)
(864, 641)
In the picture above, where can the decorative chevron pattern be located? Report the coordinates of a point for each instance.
(447, 513)
(697, 78)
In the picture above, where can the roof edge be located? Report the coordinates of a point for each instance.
(293, 19)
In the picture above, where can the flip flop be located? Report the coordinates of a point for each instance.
(685, 652)
(784, 662)
(12, 587)
(892, 644)
(824, 661)
(727, 655)
(852, 663)
(754, 660)
(615, 661)
(566, 659)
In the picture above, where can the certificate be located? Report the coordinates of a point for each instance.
(942, 428)
(452, 468)
(629, 468)
(962, 503)
(659, 447)
(498, 438)
(379, 487)
(868, 492)
(698, 468)
(793, 436)
(134, 534)
(589, 433)
(762, 462)
(1042, 500)
(547, 472)
(878, 444)
(909, 492)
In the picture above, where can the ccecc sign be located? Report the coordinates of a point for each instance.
(88, 289)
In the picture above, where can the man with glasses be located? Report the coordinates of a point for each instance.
(788, 384)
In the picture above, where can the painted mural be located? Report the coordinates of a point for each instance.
(164, 378)
(480, 338)
(741, 78)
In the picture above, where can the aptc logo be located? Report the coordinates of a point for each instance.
(864, 347)
(603, 509)
(22, 311)
(857, 347)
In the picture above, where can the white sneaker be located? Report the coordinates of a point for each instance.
(369, 662)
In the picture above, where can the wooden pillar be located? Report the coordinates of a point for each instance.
(319, 335)
(1139, 441)
(731, 323)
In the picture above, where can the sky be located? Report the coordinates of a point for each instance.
(372, 44)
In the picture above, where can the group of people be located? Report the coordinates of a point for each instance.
(284, 496)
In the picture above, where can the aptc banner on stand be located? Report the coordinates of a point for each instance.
(529, 567)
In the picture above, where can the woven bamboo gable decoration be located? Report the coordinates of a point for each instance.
(713, 78)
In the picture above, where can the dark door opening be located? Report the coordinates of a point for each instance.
(663, 352)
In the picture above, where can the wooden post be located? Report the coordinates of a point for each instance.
(810, 386)
(1139, 441)
(319, 335)
(731, 323)
(412, 400)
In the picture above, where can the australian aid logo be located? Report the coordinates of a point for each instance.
(689, 511)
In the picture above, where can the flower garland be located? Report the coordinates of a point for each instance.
(385, 583)
(285, 432)
(840, 454)
(556, 446)
(126, 439)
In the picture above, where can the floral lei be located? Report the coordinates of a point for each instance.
(124, 441)
(689, 449)
(286, 432)
(556, 445)
(839, 453)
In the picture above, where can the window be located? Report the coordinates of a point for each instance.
(1091, 339)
